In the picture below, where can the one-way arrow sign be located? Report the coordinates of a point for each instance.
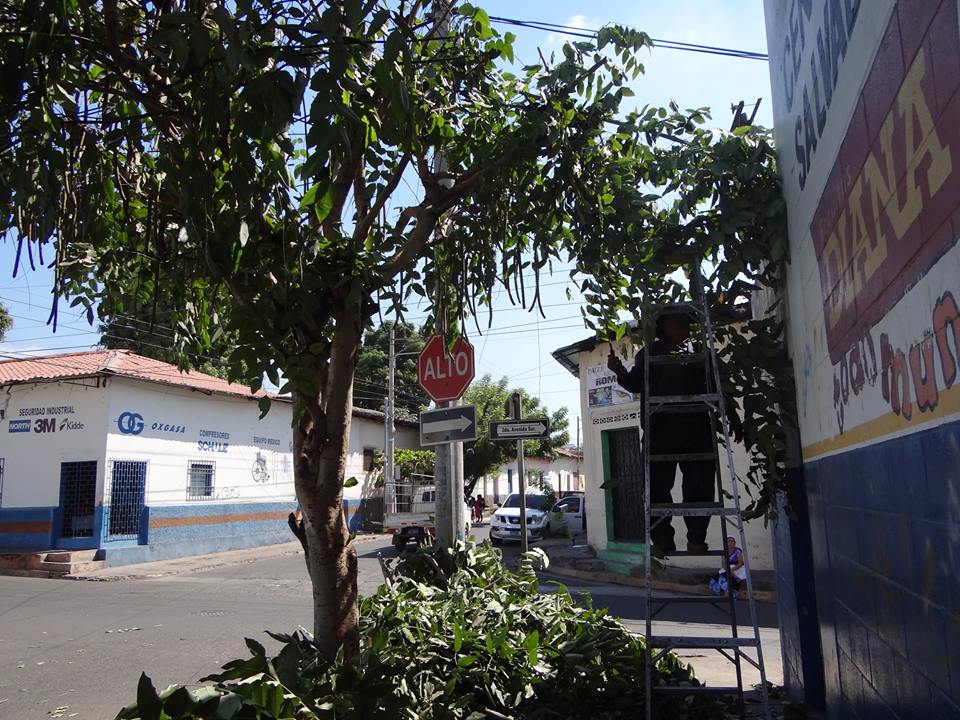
(519, 429)
(448, 425)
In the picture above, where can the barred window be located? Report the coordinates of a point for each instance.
(368, 453)
(200, 481)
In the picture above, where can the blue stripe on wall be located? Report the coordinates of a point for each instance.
(885, 528)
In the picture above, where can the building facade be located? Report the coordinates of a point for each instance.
(612, 443)
(112, 451)
(562, 473)
(866, 103)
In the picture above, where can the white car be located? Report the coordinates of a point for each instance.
(505, 523)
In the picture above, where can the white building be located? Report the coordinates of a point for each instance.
(612, 449)
(112, 451)
(563, 473)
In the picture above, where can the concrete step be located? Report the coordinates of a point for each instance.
(70, 555)
(622, 568)
(72, 568)
(621, 557)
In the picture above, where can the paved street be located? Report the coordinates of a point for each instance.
(76, 649)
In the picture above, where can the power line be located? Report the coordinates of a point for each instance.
(657, 42)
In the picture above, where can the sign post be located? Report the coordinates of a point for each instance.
(445, 375)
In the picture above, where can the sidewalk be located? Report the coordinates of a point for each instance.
(577, 561)
(179, 566)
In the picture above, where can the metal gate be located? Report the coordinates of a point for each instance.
(123, 507)
(626, 484)
(78, 495)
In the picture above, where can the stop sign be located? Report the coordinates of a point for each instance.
(445, 375)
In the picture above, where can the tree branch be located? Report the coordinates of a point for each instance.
(366, 222)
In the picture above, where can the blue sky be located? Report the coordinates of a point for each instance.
(518, 345)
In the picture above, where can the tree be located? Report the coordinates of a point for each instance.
(484, 456)
(154, 143)
(372, 368)
(5, 321)
(156, 147)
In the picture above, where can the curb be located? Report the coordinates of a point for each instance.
(632, 581)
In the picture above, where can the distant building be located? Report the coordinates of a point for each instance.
(562, 473)
(113, 451)
(612, 449)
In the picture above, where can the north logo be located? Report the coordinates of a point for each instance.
(130, 423)
(19, 426)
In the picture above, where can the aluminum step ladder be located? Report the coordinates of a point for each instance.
(734, 648)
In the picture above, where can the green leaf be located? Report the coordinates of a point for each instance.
(320, 198)
(350, 482)
(532, 643)
(148, 702)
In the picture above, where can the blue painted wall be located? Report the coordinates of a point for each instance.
(178, 530)
(27, 528)
(885, 529)
(201, 528)
(796, 597)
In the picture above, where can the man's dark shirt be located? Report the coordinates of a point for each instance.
(673, 432)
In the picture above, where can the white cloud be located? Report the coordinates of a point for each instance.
(577, 21)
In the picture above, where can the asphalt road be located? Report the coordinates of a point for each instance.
(75, 649)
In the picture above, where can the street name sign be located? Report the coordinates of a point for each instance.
(448, 425)
(529, 429)
(445, 375)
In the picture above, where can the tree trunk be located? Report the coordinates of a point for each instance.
(321, 439)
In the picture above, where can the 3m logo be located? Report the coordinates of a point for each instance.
(45, 425)
(18, 426)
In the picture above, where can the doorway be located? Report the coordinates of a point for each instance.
(623, 465)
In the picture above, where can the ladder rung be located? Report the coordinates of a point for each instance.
(684, 642)
(678, 358)
(681, 457)
(695, 690)
(690, 599)
(690, 509)
(697, 399)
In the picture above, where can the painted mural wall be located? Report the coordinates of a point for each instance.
(867, 122)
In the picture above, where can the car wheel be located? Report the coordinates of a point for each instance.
(495, 540)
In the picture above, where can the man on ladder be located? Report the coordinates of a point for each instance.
(676, 434)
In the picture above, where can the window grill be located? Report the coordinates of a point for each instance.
(200, 481)
(368, 458)
(78, 492)
(1, 481)
(123, 506)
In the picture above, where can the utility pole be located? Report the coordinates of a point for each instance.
(389, 419)
(448, 468)
(514, 410)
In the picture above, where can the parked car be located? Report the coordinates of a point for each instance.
(573, 508)
(505, 523)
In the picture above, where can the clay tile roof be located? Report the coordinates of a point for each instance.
(122, 363)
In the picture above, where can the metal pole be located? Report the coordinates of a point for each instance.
(523, 496)
(446, 463)
(388, 450)
(388, 487)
